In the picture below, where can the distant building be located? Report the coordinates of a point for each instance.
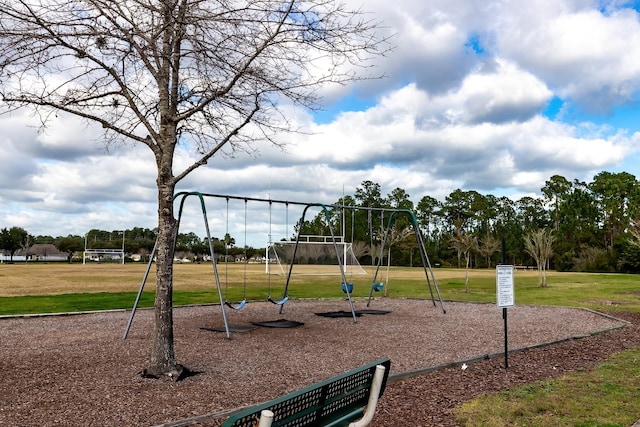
(41, 252)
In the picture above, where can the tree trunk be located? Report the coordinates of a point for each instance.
(163, 360)
(540, 282)
(467, 257)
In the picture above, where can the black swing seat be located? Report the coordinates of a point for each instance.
(280, 302)
(236, 307)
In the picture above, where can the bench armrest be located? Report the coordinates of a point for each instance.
(266, 418)
(374, 393)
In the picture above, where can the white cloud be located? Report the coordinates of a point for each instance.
(461, 108)
(582, 53)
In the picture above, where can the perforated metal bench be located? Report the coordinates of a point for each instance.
(335, 402)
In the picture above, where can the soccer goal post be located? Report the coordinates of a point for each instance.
(316, 255)
(100, 255)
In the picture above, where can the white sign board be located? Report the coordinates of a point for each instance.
(504, 285)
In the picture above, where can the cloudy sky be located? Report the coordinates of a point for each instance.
(493, 96)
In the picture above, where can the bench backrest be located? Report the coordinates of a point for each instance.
(333, 402)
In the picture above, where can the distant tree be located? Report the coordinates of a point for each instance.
(531, 213)
(360, 249)
(464, 243)
(229, 244)
(399, 199)
(461, 208)
(394, 235)
(629, 260)
(428, 213)
(14, 238)
(186, 242)
(214, 77)
(70, 244)
(369, 195)
(579, 226)
(508, 227)
(555, 189)
(144, 254)
(348, 218)
(539, 244)
(614, 193)
(25, 245)
(634, 230)
(43, 240)
(487, 246)
(430, 219)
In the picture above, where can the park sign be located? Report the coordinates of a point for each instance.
(504, 285)
(505, 297)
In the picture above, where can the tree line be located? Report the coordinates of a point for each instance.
(591, 227)
(135, 241)
(574, 226)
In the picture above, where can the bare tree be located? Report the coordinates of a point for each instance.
(393, 236)
(634, 229)
(488, 246)
(215, 76)
(539, 244)
(464, 243)
(25, 245)
(360, 248)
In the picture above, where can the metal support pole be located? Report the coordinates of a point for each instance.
(144, 280)
(506, 339)
(504, 310)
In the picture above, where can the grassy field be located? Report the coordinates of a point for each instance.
(39, 287)
(612, 388)
(606, 396)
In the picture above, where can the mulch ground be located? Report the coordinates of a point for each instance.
(428, 400)
(77, 370)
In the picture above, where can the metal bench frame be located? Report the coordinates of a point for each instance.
(335, 402)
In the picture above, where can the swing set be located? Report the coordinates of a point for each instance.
(345, 286)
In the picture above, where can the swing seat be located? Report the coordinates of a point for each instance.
(281, 302)
(347, 287)
(378, 287)
(236, 307)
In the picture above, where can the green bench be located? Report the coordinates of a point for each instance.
(336, 402)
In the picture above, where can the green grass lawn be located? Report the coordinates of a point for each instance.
(606, 396)
(49, 288)
(595, 291)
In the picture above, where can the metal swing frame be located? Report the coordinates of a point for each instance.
(345, 286)
(183, 197)
(426, 263)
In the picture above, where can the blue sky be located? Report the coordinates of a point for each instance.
(479, 95)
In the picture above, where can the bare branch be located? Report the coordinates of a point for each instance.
(206, 74)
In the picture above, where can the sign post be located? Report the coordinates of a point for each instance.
(505, 297)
